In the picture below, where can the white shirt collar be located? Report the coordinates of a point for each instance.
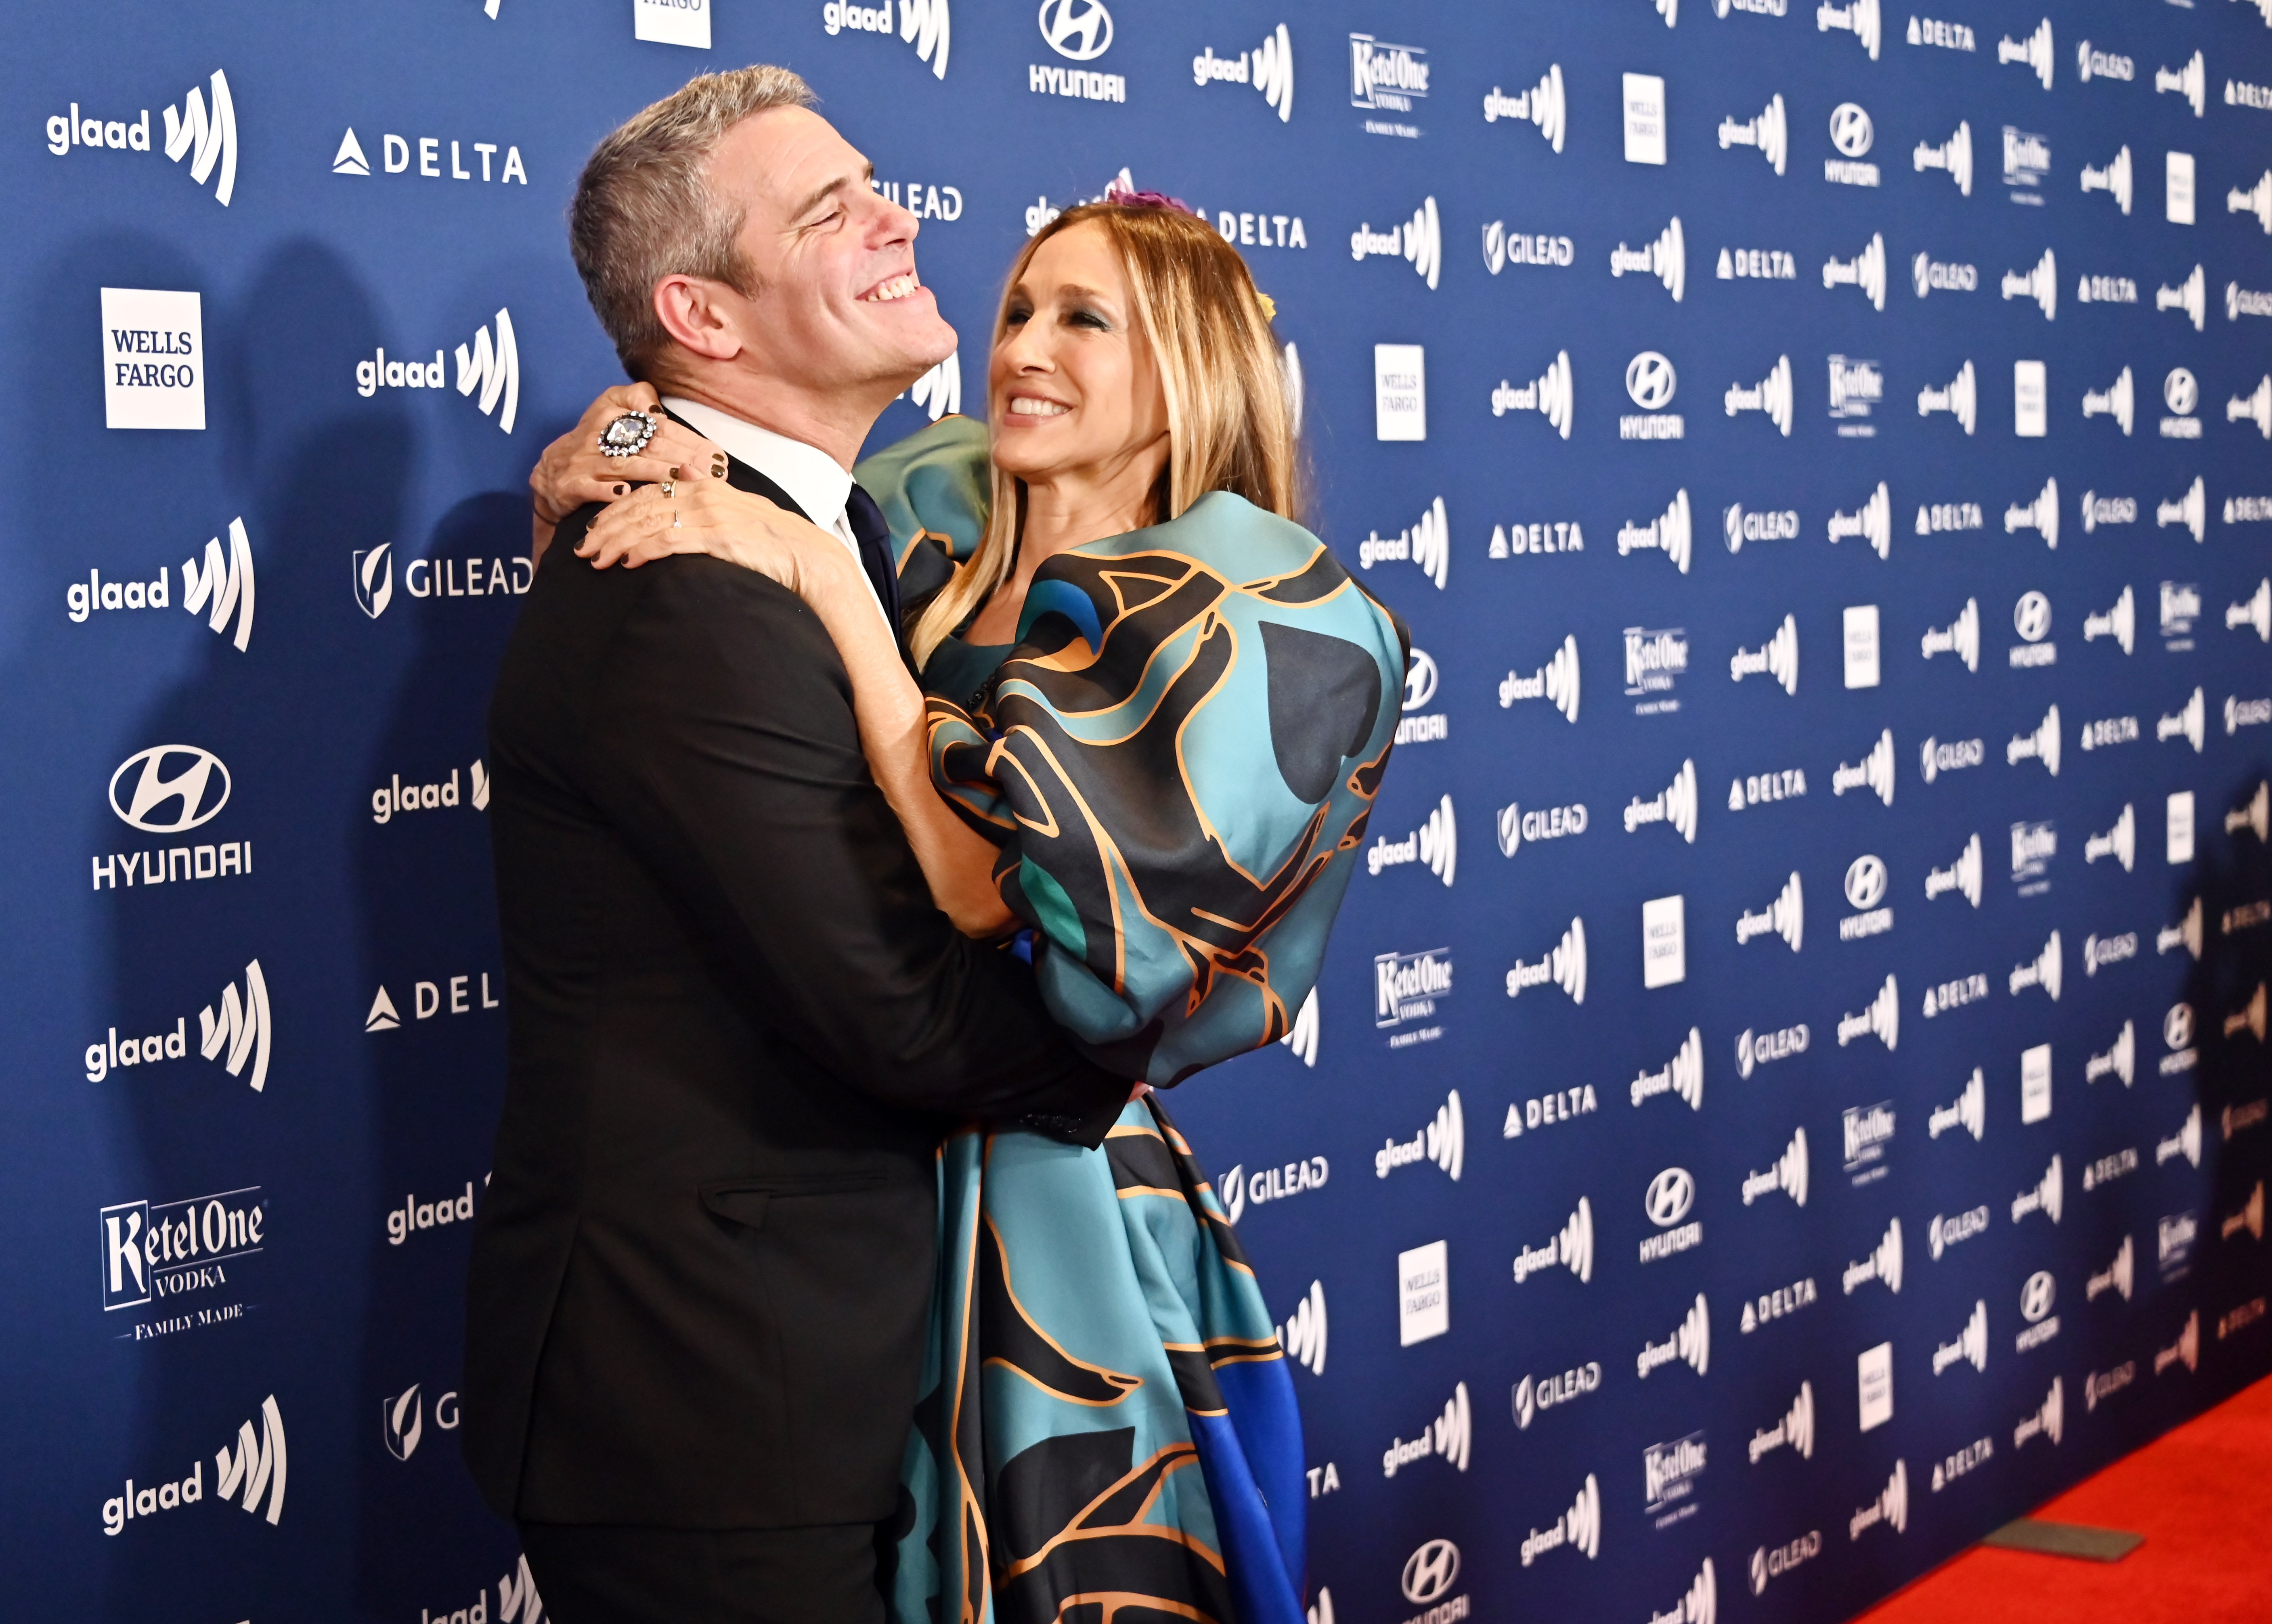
(813, 479)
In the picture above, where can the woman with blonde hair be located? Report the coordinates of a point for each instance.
(1151, 717)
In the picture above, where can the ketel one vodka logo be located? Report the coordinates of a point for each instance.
(492, 368)
(1447, 1437)
(1386, 77)
(1407, 985)
(163, 1249)
(204, 133)
(240, 1032)
(251, 1475)
(1669, 1472)
(1443, 1141)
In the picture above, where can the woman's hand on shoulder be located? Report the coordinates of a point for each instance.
(709, 516)
(574, 470)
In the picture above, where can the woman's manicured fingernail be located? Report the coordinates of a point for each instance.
(674, 471)
(620, 489)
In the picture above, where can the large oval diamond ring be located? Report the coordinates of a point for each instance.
(627, 435)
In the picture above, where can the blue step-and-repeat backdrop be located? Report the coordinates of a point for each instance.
(1789, 1091)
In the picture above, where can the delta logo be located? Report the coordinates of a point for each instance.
(395, 153)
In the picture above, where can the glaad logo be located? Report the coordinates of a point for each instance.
(1689, 1343)
(1532, 1395)
(1436, 843)
(402, 1419)
(1961, 878)
(1881, 1019)
(1302, 1040)
(222, 590)
(167, 1248)
(2048, 1419)
(1443, 1141)
(1891, 1508)
(939, 393)
(1550, 395)
(250, 1474)
(1447, 1437)
(2185, 1351)
(207, 138)
(1873, 773)
(1268, 67)
(1541, 105)
(413, 1214)
(1429, 1570)
(923, 24)
(2048, 1196)
(1777, 658)
(1682, 1076)
(1701, 1605)
(1579, 1529)
(1670, 532)
(1563, 965)
(241, 1030)
(1882, 1266)
(1784, 916)
(1666, 259)
(493, 369)
(1303, 1335)
(391, 798)
(1773, 1564)
(1795, 1430)
(1557, 682)
(1427, 543)
(1787, 1173)
(1767, 132)
(1573, 1248)
(1669, 1472)
(1969, 1346)
(1953, 158)
(394, 151)
(1418, 241)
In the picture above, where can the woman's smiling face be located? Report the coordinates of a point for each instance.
(1073, 388)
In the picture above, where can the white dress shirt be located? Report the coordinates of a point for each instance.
(812, 479)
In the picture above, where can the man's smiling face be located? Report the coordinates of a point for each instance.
(838, 302)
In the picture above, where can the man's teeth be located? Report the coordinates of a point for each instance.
(898, 287)
(1026, 405)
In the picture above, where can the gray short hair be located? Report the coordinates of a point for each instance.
(643, 208)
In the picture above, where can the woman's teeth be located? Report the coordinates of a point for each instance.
(898, 287)
(1026, 405)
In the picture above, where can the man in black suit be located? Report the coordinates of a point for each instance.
(701, 1276)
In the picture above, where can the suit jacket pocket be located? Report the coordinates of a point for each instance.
(744, 1201)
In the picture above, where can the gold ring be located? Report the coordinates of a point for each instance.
(670, 489)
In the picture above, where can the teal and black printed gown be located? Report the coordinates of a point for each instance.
(1176, 759)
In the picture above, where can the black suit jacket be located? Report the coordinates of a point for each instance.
(701, 1272)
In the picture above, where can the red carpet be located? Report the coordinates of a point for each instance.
(2201, 1495)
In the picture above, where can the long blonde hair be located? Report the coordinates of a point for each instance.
(1228, 428)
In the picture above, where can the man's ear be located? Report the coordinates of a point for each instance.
(701, 315)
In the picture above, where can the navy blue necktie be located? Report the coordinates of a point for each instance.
(874, 539)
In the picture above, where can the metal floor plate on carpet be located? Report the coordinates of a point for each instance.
(2076, 1540)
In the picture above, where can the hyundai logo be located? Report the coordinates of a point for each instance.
(2180, 391)
(1865, 881)
(2036, 1295)
(1429, 1570)
(1080, 29)
(2177, 1026)
(1419, 681)
(1851, 129)
(2032, 616)
(179, 786)
(1671, 1194)
(1649, 380)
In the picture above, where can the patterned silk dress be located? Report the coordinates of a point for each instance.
(1176, 759)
